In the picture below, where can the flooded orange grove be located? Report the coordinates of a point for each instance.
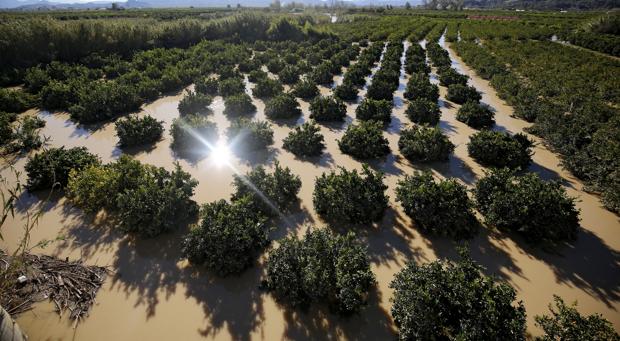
(154, 294)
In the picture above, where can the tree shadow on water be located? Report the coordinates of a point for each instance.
(318, 323)
(588, 263)
(233, 302)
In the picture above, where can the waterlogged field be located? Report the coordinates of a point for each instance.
(153, 292)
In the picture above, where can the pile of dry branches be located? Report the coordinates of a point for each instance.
(29, 278)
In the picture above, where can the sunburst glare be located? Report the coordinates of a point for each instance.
(220, 154)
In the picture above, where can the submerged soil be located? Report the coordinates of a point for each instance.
(153, 293)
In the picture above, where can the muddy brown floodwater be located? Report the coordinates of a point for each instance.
(154, 294)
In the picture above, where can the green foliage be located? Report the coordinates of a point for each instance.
(25, 135)
(322, 74)
(195, 103)
(51, 167)
(327, 108)
(425, 144)
(423, 111)
(103, 100)
(35, 79)
(282, 106)
(454, 301)
(364, 140)
(500, 149)
(272, 193)
(289, 75)
(145, 200)
(207, 86)
(449, 76)
(238, 105)
(253, 135)
(377, 110)
(275, 65)
(133, 131)
(21, 136)
(539, 210)
(350, 196)
(160, 202)
(461, 94)
(305, 140)
(189, 131)
(15, 100)
(566, 323)
(440, 208)
(255, 75)
(267, 88)
(476, 115)
(230, 87)
(228, 237)
(6, 127)
(419, 86)
(323, 267)
(305, 89)
(346, 91)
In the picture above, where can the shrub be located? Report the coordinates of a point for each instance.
(327, 108)
(35, 79)
(499, 149)
(349, 196)
(6, 127)
(25, 136)
(230, 87)
(159, 203)
(566, 323)
(346, 91)
(539, 210)
(322, 74)
(321, 267)
(58, 95)
(144, 199)
(440, 208)
(275, 65)
(454, 301)
(278, 190)
(423, 111)
(229, 71)
(103, 100)
(425, 144)
(419, 86)
(289, 75)
(238, 105)
(207, 86)
(305, 140)
(305, 89)
(254, 134)
(364, 140)
(460, 94)
(16, 100)
(255, 75)
(134, 131)
(377, 110)
(228, 237)
(194, 103)
(283, 106)
(266, 88)
(249, 65)
(380, 90)
(476, 115)
(51, 167)
(190, 131)
(449, 76)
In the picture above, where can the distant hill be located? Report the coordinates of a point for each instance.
(543, 4)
